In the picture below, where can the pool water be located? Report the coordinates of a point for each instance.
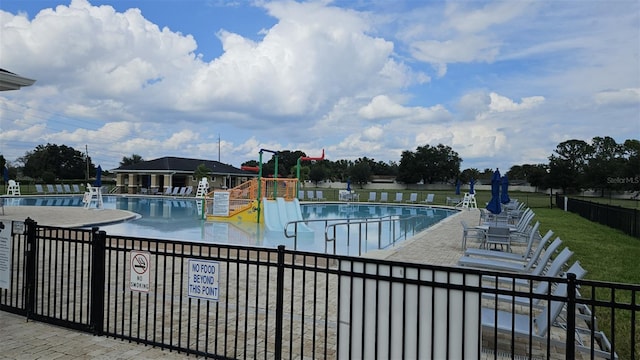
(178, 219)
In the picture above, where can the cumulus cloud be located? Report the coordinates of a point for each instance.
(501, 103)
(355, 80)
(621, 97)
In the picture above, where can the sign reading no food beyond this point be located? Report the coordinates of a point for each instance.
(140, 268)
(203, 279)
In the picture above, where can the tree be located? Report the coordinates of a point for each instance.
(317, 173)
(604, 162)
(361, 172)
(631, 151)
(429, 164)
(467, 174)
(409, 171)
(567, 165)
(134, 159)
(201, 171)
(62, 161)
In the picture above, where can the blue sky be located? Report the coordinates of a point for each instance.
(502, 82)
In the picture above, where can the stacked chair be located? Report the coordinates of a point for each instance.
(524, 251)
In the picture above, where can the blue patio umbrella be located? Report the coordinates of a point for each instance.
(349, 185)
(5, 175)
(458, 187)
(98, 182)
(471, 184)
(494, 204)
(504, 197)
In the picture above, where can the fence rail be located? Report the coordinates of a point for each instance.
(617, 217)
(278, 303)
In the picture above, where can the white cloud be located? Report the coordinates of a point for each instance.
(512, 80)
(621, 97)
(501, 103)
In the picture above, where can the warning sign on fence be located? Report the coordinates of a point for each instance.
(203, 279)
(140, 268)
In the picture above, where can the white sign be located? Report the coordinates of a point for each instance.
(5, 254)
(220, 203)
(203, 279)
(140, 268)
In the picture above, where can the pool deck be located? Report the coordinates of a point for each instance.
(440, 244)
(72, 217)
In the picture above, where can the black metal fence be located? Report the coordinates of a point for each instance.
(617, 217)
(223, 301)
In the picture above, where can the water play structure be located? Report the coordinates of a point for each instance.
(269, 201)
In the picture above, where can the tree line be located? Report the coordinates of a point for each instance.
(600, 164)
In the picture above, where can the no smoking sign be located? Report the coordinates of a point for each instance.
(140, 262)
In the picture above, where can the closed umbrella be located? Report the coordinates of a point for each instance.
(494, 204)
(504, 197)
(349, 185)
(471, 189)
(458, 187)
(98, 182)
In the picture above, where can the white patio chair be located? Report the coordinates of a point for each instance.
(413, 198)
(398, 197)
(384, 197)
(372, 196)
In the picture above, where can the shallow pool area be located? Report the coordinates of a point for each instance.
(356, 227)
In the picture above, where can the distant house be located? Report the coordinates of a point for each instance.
(156, 176)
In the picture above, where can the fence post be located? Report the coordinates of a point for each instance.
(30, 267)
(279, 302)
(98, 239)
(571, 316)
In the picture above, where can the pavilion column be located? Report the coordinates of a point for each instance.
(120, 185)
(132, 184)
(154, 183)
(168, 183)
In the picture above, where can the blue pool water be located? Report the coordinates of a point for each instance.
(178, 219)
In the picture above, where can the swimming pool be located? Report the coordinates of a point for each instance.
(178, 219)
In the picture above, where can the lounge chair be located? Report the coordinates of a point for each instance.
(486, 253)
(175, 191)
(301, 195)
(384, 197)
(537, 328)
(514, 266)
(76, 188)
(59, 189)
(452, 201)
(541, 288)
(398, 197)
(50, 189)
(39, 189)
(472, 233)
(13, 188)
(183, 190)
(413, 198)
(67, 188)
(167, 190)
(372, 196)
(188, 191)
(319, 195)
(429, 199)
(553, 270)
(310, 195)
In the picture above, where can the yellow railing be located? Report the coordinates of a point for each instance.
(242, 196)
(279, 187)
